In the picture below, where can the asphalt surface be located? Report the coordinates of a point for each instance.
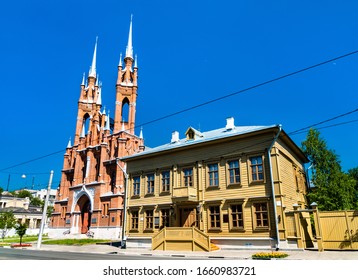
(219, 254)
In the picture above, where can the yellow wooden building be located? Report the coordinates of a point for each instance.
(229, 187)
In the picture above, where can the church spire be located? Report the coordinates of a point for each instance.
(120, 61)
(126, 89)
(83, 80)
(129, 50)
(92, 72)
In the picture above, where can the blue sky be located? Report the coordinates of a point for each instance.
(189, 52)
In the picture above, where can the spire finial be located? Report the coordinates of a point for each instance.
(129, 50)
(83, 79)
(120, 60)
(136, 61)
(69, 143)
(83, 133)
(107, 127)
(97, 80)
(92, 72)
(141, 133)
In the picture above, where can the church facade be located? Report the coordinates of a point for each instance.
(91, 193)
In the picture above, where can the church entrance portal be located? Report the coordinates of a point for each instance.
(85, 207)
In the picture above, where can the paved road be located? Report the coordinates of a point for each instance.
(28, 254)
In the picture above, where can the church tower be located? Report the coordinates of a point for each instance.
(91, 194)
(126, 89)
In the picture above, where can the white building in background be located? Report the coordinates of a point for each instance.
(41, 194)
(24, 212)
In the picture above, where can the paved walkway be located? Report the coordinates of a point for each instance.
(220, 254)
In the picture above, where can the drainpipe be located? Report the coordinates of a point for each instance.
(273, 187)
(123, 241)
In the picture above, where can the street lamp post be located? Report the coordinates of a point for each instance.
(123, 241)
(44, 213)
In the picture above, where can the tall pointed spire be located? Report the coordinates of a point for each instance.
(129, 50)
(108, 120)
(136, 62)
(97, 81)
(120, 60)
(83, 133)
(83, 80)
(92, 72)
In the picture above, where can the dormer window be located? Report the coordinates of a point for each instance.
(190, 135)
(193, 134)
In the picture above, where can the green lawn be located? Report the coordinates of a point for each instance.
(25, 238)
(45, 240)
(74, 241)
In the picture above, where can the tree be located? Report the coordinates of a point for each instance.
(353, 173)
(1, 190)
(50, 209)
(21, 230)
(334, 189)
(7, 222)
(24, 193)
(35, 201)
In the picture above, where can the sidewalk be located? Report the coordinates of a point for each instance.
(220, 254)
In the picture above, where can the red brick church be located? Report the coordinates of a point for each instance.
(92, 190)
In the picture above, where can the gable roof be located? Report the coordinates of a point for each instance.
(211, 135)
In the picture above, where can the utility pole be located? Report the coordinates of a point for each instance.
(8, 183)
(44, 213)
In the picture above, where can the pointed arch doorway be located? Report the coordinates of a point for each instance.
(85, 208)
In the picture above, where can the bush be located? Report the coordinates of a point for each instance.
(269, 255)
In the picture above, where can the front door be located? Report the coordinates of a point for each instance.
(188, 217)
(86, 217)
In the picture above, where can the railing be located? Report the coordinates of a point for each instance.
(178, 238)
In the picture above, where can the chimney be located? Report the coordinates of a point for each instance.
(230, 123)
(175, 137)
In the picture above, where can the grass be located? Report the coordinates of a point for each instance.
(45, 240)
(16, 239)
(77, 242)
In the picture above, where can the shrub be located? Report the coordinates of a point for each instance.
(269, 255)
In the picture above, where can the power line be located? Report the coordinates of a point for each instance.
(298, 131)
(224, 97)
(249, 88)
(322, 122)
(31, 160)
(323, 127)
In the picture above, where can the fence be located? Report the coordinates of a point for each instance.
(331, 230)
